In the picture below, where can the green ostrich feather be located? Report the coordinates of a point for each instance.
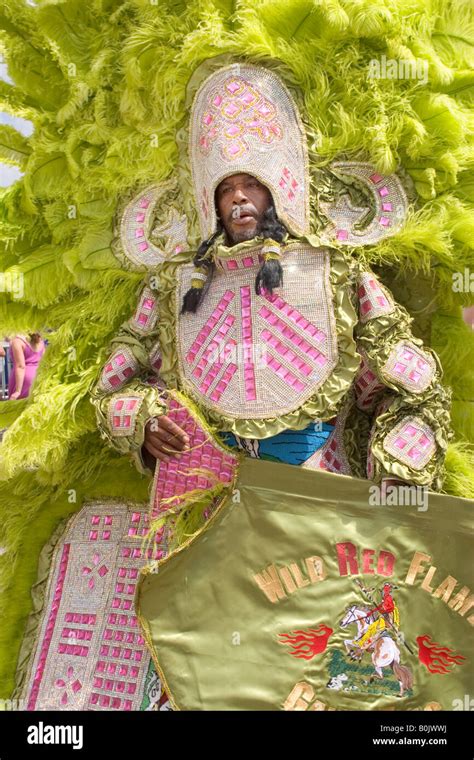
(104, 85)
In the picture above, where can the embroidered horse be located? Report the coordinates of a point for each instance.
(385, 651)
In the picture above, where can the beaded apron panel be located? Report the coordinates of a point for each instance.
(90, 654)
(251, 356)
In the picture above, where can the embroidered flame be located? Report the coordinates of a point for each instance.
(306, 644)
(438, 659)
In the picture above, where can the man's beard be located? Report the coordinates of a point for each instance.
(239, 236)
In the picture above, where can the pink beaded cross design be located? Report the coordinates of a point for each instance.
(410, 367)
(69, 687)
(411, 442)
(95, 571)
(123, 413)
(289, 183)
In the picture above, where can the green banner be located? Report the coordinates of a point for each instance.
(305, 592)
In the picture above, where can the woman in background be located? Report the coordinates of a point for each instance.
(26, 355)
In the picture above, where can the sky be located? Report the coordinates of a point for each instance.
(9, 174)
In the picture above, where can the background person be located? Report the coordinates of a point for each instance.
(26, 356)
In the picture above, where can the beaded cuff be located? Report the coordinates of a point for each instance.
(410, 367)
(411, 442)
(119, 369)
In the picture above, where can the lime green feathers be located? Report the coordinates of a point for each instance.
(104, 85)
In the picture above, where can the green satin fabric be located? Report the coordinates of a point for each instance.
(214, 633)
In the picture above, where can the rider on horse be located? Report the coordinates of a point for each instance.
(388, 618)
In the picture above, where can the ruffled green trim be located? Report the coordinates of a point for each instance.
(355, 438)
(324, 404)
(165, 281)
(139, 348)
(378, 337)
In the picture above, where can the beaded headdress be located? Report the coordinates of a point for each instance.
(244, 120)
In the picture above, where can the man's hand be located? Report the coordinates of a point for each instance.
(163, 438)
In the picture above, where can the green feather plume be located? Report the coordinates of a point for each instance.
(104, 84)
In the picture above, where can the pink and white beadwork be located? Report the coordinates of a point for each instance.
(388, 199)
(243, 119)
(145, 318)
(154, 357)
(374, 301)
(122, 414)
(137, 246)
(257, 356)
(243, 262)
(409, 367)
(118, 370)
(89, 653)
(367, 385)
(179, 476)
(411, 442)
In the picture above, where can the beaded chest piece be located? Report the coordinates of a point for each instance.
(251, 356)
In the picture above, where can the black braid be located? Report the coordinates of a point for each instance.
(270, 274)
(193, 297)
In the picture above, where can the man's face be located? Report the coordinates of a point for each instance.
(245, 195)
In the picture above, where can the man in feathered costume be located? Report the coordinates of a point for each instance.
(278, 335)
(282, 208)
